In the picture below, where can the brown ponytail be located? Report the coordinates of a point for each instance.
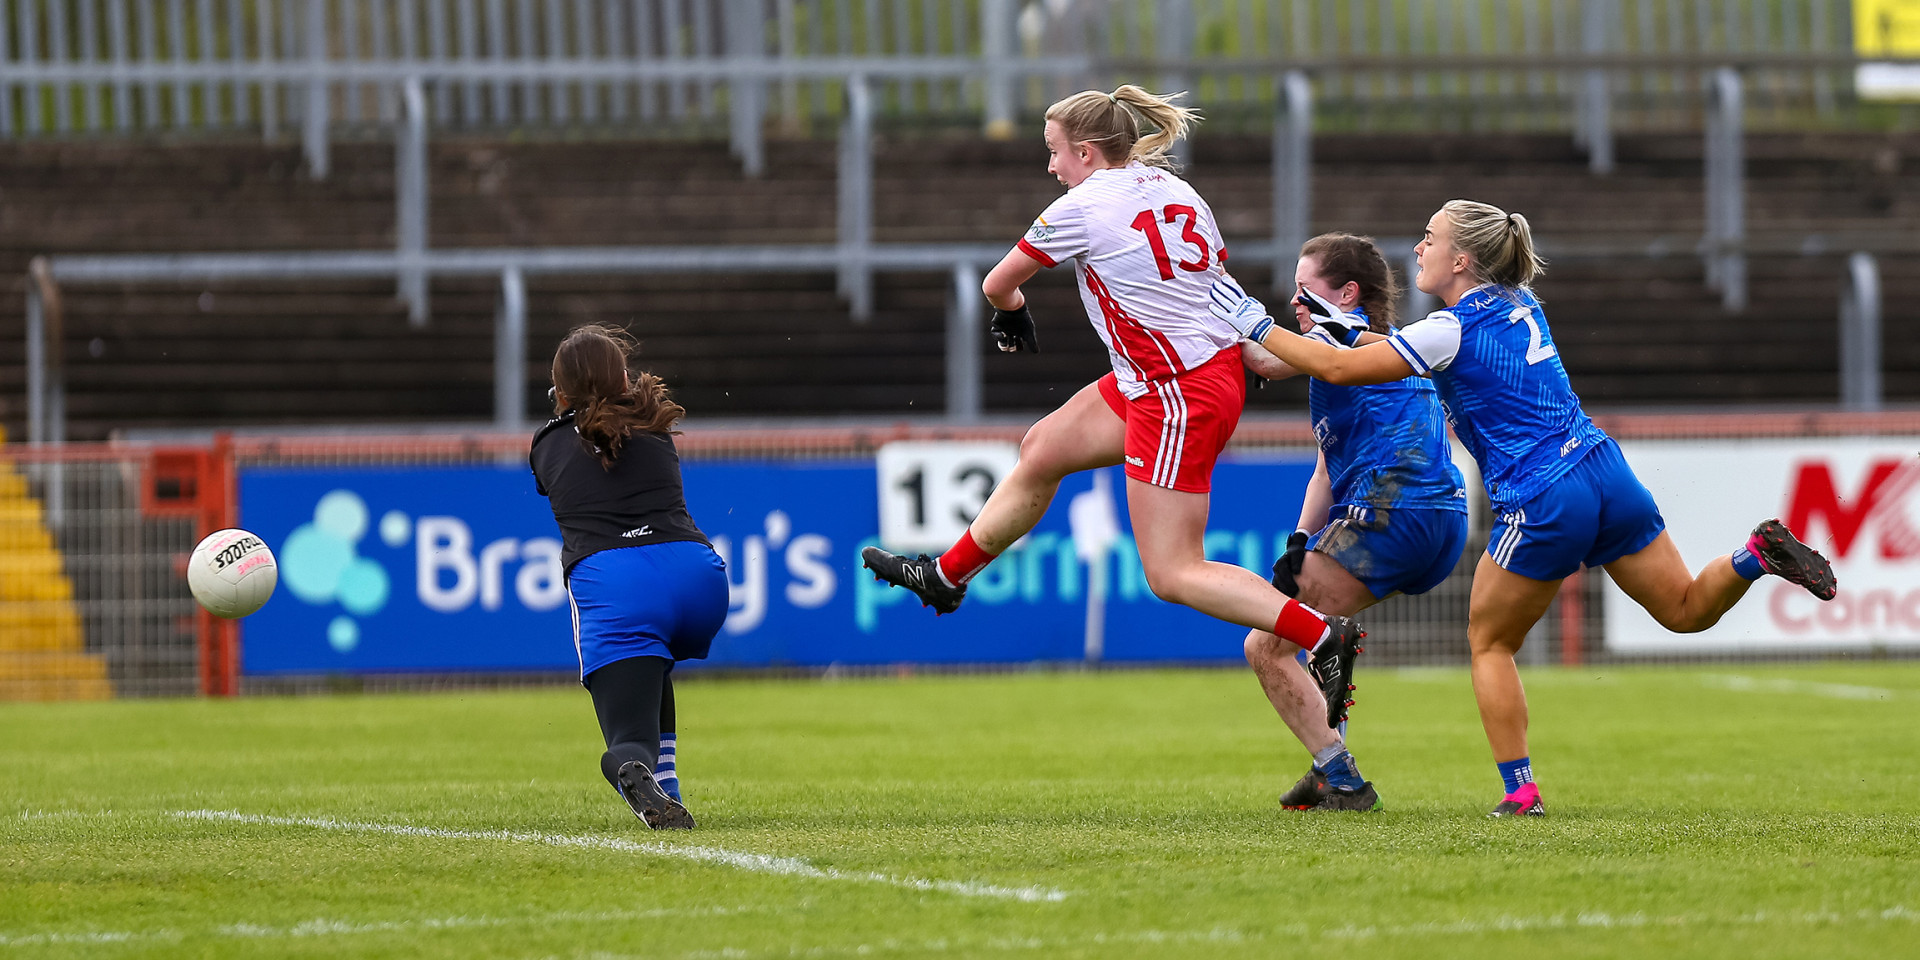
(609, 401)
(1346, 258)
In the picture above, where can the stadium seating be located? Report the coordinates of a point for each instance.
(1635, 329)
(41, 651)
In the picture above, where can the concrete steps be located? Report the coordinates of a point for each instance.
(1634, 330)
(42, 653)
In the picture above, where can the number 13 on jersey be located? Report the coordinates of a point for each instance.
(930, 492)
(1147, 223)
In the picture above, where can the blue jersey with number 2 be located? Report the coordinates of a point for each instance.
(1505, 392)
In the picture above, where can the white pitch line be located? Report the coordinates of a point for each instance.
(1424, 932)
(323, 927)
(1836, 691)
(1898, 913)
(1595, 919)
(100, 936)
(750, 862)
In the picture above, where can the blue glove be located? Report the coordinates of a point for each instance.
(1230, 305)
(1344, 328)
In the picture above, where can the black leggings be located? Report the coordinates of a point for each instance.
(634, 701)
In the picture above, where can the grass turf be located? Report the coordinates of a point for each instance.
(1738, 811)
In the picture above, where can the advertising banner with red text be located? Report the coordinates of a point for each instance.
(1855, 499)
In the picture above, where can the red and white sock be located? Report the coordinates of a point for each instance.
(963, 560)
(1301, 625)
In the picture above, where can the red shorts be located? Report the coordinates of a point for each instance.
(1176, 430)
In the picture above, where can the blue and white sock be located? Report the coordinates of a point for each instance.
(1516, 773)
(1747, 565)
(1338, 766)
(664, 773)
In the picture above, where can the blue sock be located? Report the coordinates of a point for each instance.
(664, 773)
(1338, 766)
(1516, 772)
(1747, 565)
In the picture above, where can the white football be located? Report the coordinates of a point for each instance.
(232, 573)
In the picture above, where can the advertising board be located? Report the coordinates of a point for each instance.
(435, 569)
(1857, 500)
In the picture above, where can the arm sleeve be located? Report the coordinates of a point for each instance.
(1430, 344)
(534, 469)
(1060, 233)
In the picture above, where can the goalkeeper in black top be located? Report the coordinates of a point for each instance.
(647, 589)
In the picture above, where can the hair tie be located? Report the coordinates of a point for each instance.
(1509, 219)
(1113, 98)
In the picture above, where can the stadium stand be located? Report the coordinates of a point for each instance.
(1635, 320)
(42, 652)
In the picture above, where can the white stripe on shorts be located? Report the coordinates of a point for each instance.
(1166, 430)
(1509, 541)
(574, 608)
(1173, 434)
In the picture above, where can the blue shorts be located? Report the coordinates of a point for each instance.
(660, 600)
(1403, 550)
(1596, 514)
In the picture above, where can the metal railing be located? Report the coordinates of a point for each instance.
(1860, 305)
(46, 404)
(1858, 323)
(123, 66)
(1725, 190)
(853, 259)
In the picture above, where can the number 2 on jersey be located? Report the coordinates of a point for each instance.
(1536, 351)
(1149, 224)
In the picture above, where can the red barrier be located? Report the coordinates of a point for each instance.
(198, 483)
(1573, 618)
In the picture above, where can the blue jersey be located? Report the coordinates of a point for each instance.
(1506, 394)
(1386, 444)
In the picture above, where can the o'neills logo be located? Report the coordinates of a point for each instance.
(1864, 532)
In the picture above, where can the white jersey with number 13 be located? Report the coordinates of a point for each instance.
(1145, 249)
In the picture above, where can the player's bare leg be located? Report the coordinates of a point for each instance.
(1169, 527)
(1293, 694)
(1326, 586)
(1083, 434)
(1503, 607)
(1657, 579)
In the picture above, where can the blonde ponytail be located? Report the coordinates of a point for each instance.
(1500, 244)
(1113, 122)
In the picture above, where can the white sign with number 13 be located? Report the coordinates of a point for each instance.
(931, 491)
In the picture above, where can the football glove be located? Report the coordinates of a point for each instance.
(1287, 568)
(1344, 328)
(1230, 305)
(1014, 330)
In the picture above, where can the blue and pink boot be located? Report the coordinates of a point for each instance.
(1774, 549)
(1524, 802)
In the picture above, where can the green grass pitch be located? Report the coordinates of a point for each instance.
(1733, 811)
